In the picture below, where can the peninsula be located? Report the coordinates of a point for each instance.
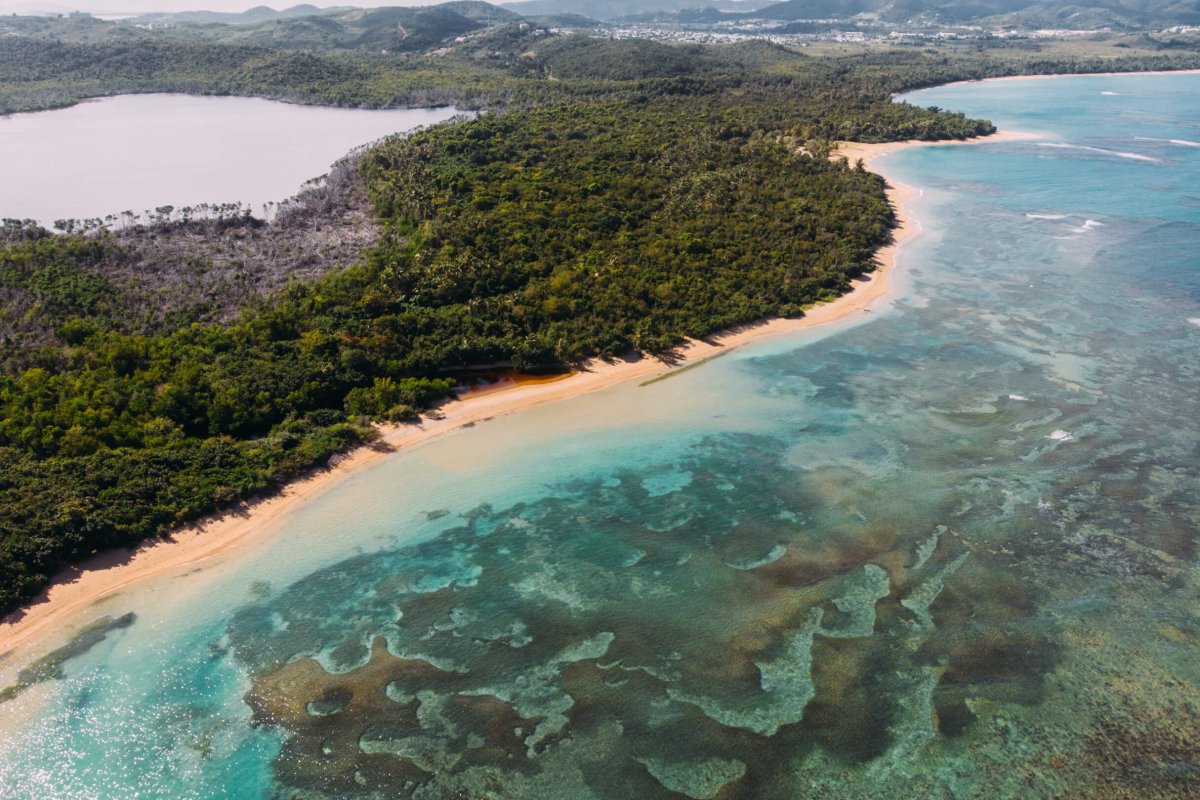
(615, 196)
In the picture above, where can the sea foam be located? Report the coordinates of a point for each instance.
(1102, 150)
(1032, 215)
(1176, 142)
(1088, 225)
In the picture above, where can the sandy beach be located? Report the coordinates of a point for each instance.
(1076, 75)
(852, 151)
(67, 604)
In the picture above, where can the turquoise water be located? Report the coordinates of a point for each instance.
(946, 549)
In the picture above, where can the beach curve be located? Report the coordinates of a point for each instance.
(57, 613)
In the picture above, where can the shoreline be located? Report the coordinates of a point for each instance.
(1066, 75)
(868, 152)
(59, 610)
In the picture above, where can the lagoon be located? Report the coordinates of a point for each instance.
(139, 152)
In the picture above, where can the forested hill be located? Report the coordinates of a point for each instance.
(614, 195)
(1024, 13)
(392, 29)
(248, 17)
(618, 9)
(1020, 14)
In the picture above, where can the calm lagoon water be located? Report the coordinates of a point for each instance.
(139, 152)
(945, 550)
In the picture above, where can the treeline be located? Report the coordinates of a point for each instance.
(538, 237)
(555, 235)
(112, 437)
(628, 196)
(37, 75)
(507, 67)
(897, 71)
(150, 273)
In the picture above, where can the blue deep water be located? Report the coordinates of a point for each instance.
(946, 549)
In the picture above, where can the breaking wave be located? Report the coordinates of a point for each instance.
(1102, 150)
(1176, 142)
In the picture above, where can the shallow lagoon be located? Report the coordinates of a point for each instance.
(946, 549)
(139, 152)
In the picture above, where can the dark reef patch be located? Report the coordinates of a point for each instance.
(735, 642)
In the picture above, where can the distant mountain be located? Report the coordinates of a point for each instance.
(395, 29)
(34, 8)
(471, 9)
(406, 30)
(564, 21)
(616, 9)
(1025, 14)
(1101, 14)
(816, 9)
(479, 11)
(249, 17)
(416, 29)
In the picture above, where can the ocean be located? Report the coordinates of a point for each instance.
(944, 549)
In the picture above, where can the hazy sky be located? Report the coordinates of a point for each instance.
(101, 6)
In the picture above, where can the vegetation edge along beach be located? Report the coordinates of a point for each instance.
(68, 602)
(65, 602)
(519, 237)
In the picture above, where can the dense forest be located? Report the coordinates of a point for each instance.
(49, 63)
(613, 196)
